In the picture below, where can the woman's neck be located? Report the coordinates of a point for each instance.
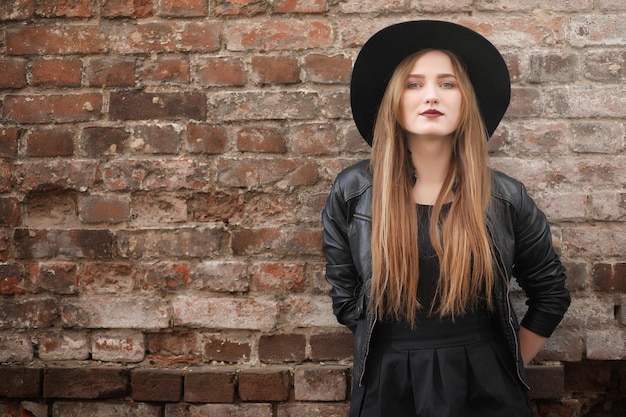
(431, 160)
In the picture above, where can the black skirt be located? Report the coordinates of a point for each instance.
(440, 369)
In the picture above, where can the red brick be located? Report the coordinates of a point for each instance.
(300, 6)
(604, 66)
(526, 102)
(104, 208)
(59, 278)
(328, 69)
(588, 102)
(110, 72)
(210, 385)
(98, 141)
(280, 348)
(221, 71)
(274, 276)
(9, 137)
(230, 350)
(609, 277)
(183, 242)
(314, 139)
(10, 214)
(321, 383)
(13, 279)
(108, 278)
(331, 346)
(20, 382)
(216, 207)
(183, 8)
(13, 73)
(528, 5)
(105, 409)
(172, 174)
(145, 37)
(222, 276)
(166, 71)
(15, 347)
(156, 139)
(77, 243)
(4, 245)
(56, 175)
(240, 7)
(48, 40)
(174, 343)
(43, 209)
(200, 37)
(120, 346)
(165, 276)
(63, 345)
(293, 35)
(33, 313)
(66, 8)
(87, 383)
(207, 138)
(275, 70)
(279, 241)
(338, 107)
(263, 105)
(16, 9)
(369, 6)
(167, 106)
(53, 108)
(157, 385)
(596, 29)
(125, 8)
(264, 384)
(302, 409)
(6, 175)
(150, 209)
(257, 172)
(594, 376)
(261, 139)
(57, 141)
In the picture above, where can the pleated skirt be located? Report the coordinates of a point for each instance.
(440, 369)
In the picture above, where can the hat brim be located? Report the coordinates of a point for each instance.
(382, 53)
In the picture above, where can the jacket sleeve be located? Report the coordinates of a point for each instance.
(341, 272)
(538, 269)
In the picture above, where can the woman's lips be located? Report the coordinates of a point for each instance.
(431, 113)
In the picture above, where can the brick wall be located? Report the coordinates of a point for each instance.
(163, 165)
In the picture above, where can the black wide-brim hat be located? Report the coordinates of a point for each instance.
(382, 53)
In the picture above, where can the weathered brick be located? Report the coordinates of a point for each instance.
(110, 72)
(53, 108)
(157, 385)
(174, 344)
(261, 139)
(156, 139)
(59, 277)
(528, 5)
(310, 311)
(282, 173)
(594, 240)
(118, 346)
(15, 347)
(57, 141)
(6, 174)
(337, 107)
(17, 9)
(207, 138)
(369, 6)
(321, 383)
(63, 345)
(608, 206)
(104, 208)
(596, 29)
(99, 141)
(526, 102)
(115, 312)
(563, 345)
(166, 71)
(588, 102)
(328, 69)
(279, 348)
(176, 243)
(221, 71)
(165, 106)
(605, 66)
(525, 30)
(294, 35)
(231, 410)
(553, 68)
(124, 8)
(183, 8)
(263, 105)
(28, 313)
(152, 209)
(264, 384)
(9, 137)
(300, 6)
(610, 277)
(68, 8)
(200, 37)
(331, 346)
(274, 70)
(221, 276)
(104, 409)
(224, 313)
(51, 209)
(546, 381)
(173, 174)
(240, 7)
(590, 376)
(314, 139)
(13, 72)
(57, 72)
(20, 382)
(210, 385)
(279, 241)
(227, 349)
(296, 409)
(76, 243)
(14, 279)
(597, 137)
(50, 40)
(10, 214)
(275, 276)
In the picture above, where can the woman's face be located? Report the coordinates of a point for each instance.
(430, 104)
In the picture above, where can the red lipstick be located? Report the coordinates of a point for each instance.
(430, 113)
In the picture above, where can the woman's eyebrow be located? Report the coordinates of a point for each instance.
(445, 75)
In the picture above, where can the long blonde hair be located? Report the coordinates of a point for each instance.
(459, 238)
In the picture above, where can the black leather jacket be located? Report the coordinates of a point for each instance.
(522, 244)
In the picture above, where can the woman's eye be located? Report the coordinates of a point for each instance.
(447, 84)
(413, 85)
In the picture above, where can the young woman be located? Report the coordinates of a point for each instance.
(421, 241)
